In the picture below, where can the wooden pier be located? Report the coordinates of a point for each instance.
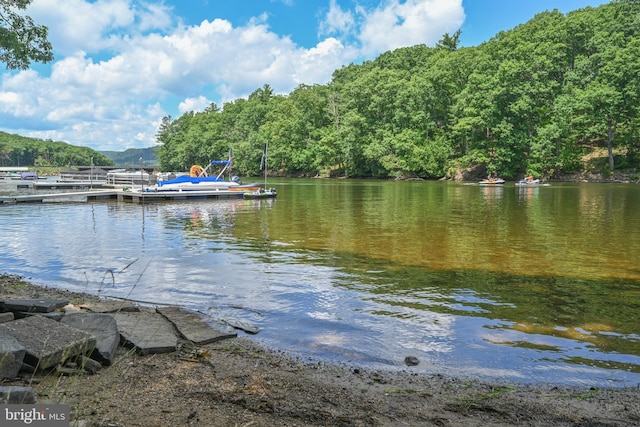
(121, 195)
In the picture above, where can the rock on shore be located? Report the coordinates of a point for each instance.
(38, 335)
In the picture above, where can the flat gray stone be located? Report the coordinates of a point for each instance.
(147, 332)
(90, 365)
(47, 342)
(242, 325)
(16, 395)
(6, 317)
(110, 306)
(192, 327)
(11, 356)
(104, 329)
(34, 305)
(53, 315)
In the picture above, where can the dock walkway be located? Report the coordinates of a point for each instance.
(69, 196)
(120, 195)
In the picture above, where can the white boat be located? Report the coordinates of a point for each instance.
(525, 182)
(84, 175)
(190, 183)
(127, 177)
(261, 193)
(198, 179)
(530, 183)
(492, 181)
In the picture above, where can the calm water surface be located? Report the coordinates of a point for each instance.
(533, 285)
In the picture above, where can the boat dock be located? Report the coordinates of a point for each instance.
(121, 195)
(70, 196)
(153, 196)
(67, 185)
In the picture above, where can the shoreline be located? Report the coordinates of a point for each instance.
(238, 382)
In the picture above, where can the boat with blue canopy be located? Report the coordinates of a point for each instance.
(200, 180)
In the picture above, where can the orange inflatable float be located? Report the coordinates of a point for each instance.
(197, 171)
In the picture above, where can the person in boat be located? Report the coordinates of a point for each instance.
(530, 178)
(490, 177)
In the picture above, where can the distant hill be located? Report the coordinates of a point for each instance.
(131, 157)
(17, 150)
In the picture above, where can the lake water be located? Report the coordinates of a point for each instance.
(529, 285)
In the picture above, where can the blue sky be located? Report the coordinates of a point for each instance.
(122, 65)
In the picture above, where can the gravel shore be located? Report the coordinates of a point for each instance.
(237, 382)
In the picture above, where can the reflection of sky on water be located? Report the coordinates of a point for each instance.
(189, 254)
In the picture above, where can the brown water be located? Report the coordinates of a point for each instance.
(584, 231)
(532, 284)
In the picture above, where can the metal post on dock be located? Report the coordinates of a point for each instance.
(141, 178)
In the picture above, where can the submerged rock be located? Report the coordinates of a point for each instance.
(411, 361)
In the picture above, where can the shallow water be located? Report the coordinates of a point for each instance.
(535, 284)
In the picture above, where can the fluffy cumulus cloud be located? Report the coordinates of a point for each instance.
(408, 23)
(388, 25)
(121, 65)
(194, 104)
(338, 21)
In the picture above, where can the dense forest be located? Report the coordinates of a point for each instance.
(533, 99)
(16, 150)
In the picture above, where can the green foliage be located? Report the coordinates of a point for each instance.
(530, 100)
(16, 150)
(570, 155)
(21, 41)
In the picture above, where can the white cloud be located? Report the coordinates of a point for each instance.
(79, 25)
(194, 104)
(121, 65)
(315, 64)
(337, 21)
(408, 23)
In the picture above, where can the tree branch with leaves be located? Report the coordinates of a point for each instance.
(21, 41)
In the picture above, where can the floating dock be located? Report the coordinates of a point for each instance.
(121, 195)
(150, 196)
(68, 185)
(69, 196)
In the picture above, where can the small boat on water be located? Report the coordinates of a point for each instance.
(526, 182)
(492, 181)
(197, 183)
(199, 179)
(261, 193)
(530, 182)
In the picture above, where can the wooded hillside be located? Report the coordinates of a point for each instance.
(530, 100)
(16, 150)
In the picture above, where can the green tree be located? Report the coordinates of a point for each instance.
(449, 42)
(21, 41)
(531, 99)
